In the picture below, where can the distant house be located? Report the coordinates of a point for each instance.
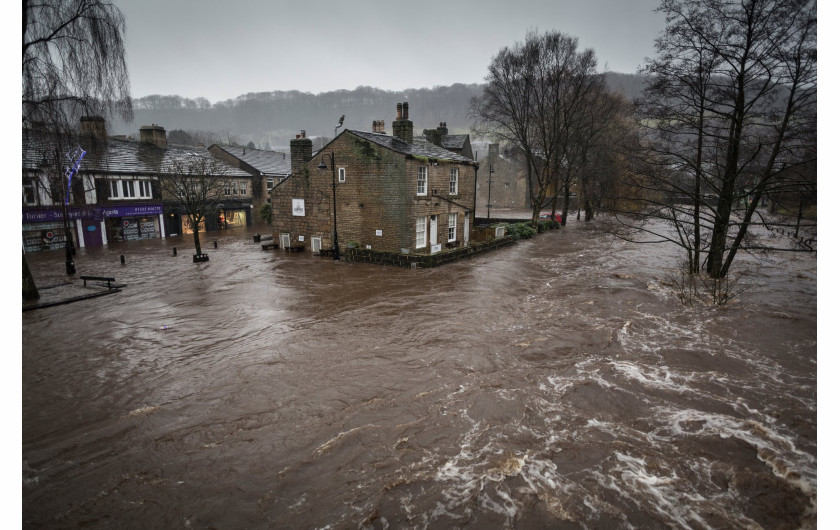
(389, 193)
(115, 195)
(267, 168)
(457, 143)
(502, 182)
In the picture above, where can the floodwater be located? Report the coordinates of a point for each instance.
(557, 383)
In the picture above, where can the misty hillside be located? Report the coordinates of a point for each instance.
(272, 118)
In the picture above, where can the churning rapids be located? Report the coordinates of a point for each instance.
(557, 383)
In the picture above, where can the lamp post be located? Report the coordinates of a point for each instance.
(490, 172)
(323, 166)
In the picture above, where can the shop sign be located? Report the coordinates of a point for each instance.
(45, 216)
(135, 210)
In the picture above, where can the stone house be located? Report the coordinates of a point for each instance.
(387, 193)
(506, 187)
(267, 168)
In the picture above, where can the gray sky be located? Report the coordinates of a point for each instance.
(220, 50)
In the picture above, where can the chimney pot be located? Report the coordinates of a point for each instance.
(399, 111)
(405, 110)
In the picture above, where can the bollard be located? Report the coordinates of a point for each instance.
(122, 259)
(215, 244)
(174, 251)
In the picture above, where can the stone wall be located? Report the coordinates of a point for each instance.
(424, 261)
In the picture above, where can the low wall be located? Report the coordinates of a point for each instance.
(425, 261)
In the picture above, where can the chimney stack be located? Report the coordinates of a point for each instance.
(301, 151)
(153, 134)
(493, 152)
(93, 127)
(433, 136)
(403, 127)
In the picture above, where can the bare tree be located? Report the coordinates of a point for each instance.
(594, 144)
(73, 64)
(731, 111)
(197, 183)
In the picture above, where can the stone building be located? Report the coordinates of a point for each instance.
(457, 143)
(386, 193)
(267, 168)
(502, 182)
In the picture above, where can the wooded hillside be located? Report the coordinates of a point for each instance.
(273, 118)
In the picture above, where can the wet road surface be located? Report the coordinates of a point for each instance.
(557, 383)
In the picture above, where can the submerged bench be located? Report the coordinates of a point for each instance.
(269, 243)
(98, 279)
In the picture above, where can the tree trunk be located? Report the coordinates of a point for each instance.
(30, 291)
(565, 203)
(197, 243)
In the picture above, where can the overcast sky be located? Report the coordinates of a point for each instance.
(220, 50)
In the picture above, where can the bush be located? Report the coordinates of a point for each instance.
(265, 213)
(521, 231)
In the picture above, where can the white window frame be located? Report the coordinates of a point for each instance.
(420, 232)
(453, 227)
(227, 188)
(243, 188)
(453, 182)
(235, 188)
(145, 189)
(269, 183)
(342, 174)
(128, 190)
(422, 180)
(32, 186)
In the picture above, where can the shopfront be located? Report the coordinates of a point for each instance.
(133, 222)
(233, 214)
(43, 229)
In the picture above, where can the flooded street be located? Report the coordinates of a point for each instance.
(556, 383)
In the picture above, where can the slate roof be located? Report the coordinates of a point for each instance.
(453, 141)
(269, 163)
(121, 156)
(419, 148)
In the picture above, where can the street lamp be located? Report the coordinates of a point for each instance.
(323, 166)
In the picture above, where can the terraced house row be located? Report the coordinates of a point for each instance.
(115, 192)
(364, 189)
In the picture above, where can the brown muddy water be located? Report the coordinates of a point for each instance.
(557, 383)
